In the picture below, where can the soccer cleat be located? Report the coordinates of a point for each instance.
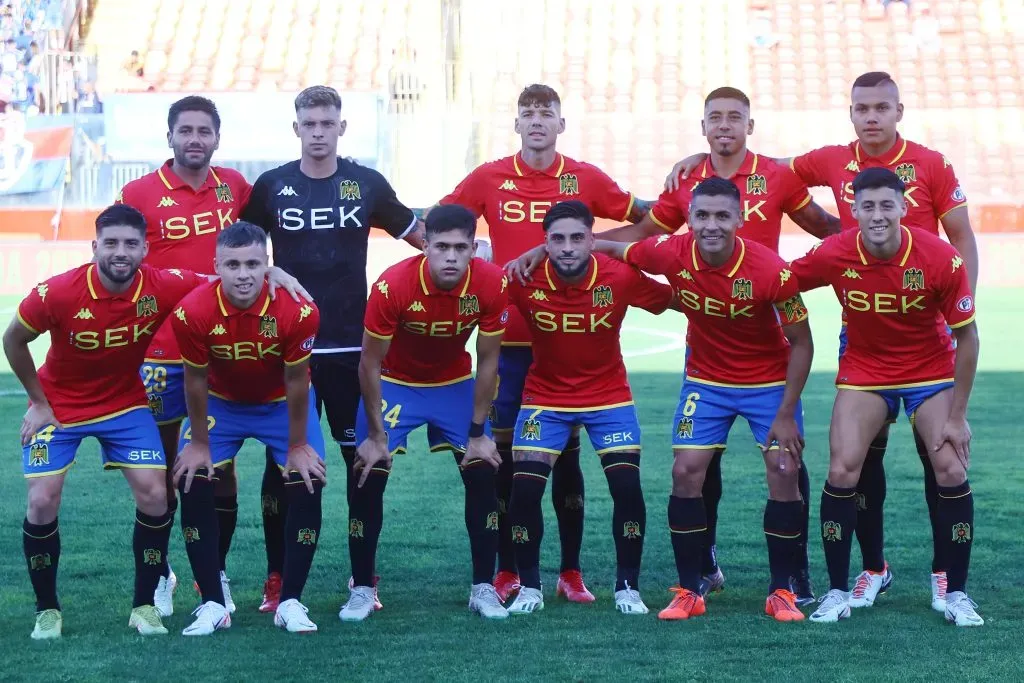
(49, 624)
(225, 584)
(781, 606)
(528, 601)
(271, 593)
(506, 583)
(712, 583)
(800, 585)
(570, 584)
(869, 585)
(146, 620)
(962, 611)
(685, 604)
(939, 591)
(361, 604)
(292, 616)
(484, 600)
(210, 617)
(376, 598)
(163, 596)
(835, 605)
(628, 601)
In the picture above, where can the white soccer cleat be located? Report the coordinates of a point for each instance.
(210, 617)
(225, 584)
(49, 624)
(528, 601)
(146, 620)
(292, 616)
(361, 604)
(163, 596)
(628, 601)
(962, 611)
(835, 605)
(868, 585)
(484, 600)
(939, 591)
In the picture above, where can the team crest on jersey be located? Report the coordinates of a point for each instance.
(41, 290)
(568, 183)
(757, 184)
(852, 167)
(349, 189)
(832, 531)
(742, 289)
(156, 404)
(530, 430)
(492, 521)
(603, 296)
(223, 193)
(793, 309)
(685, 275)
(151, 556)
(961, 532)
(190, 533)
(268, 326)
(520, 534)
(684, 428)
(631, 530)
(906, 172)
(355, 528)
(913, 279)
(39, 562)
(146, 306)
(469, 305)
(307, 536)
(38, 455)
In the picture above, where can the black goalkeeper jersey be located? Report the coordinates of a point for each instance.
(319, 230)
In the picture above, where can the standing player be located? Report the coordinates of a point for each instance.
(900, 288)
(318, 212)
(186, 202)
(247, 376)
(415, 371)
(933, 196)
(574, 306)
(513, 194)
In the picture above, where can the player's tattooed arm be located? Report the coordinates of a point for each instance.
(957, 224)
(374, 449)
(784, 429)
(639, 209)
(16, 341)
(416, 235)
(196, 454)
(816, 221)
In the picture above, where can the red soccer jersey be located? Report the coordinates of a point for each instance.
(896, 310)
(735, 310)
(98, 339)
(429, 327)
(514, 198)
(182, 225)
(932, 187)
(246, 350)
(577, 359)
(767, 191)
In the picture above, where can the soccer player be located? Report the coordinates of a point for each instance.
(318, 212)
(186, 203)
(513, 194)
(415, 371)
(933, 196)
(900, 288)
(574, 305)
(247, 376)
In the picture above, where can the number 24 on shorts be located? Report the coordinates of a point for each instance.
(390, 416)
(210, 422)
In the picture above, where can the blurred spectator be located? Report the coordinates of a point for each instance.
(762, 33)
(87, 100)
(133, 66)
(925, 31)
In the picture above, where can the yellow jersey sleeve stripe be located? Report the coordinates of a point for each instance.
(965, 322)
(625, 252)
(946, 213)
(186, 361)
(378, 336)
(659, 223)
(495, 333)
(26, 325)
(290, 363)
(805, 202)
(629, 207)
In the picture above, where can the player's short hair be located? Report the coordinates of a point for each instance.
(877, 178)
(318, 96)
(451, 217)
(193, 103)
(121, 214)
(716, 187)
(539, 95)
(873, 79)
(241, 234)
(569, 209)
(727, 93)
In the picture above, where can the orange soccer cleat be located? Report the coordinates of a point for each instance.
(570, 584)
(506, 584)
(781, 606)
(271, 593)
(685, 604)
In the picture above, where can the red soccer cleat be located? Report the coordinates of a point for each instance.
(271, 593)
(570, 584)
(506, 584)
(377, 606)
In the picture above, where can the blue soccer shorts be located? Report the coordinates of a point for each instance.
(614, 428)
(165, 387)
(912, 398)
(127, 439)
(706, 412)
(513, 364)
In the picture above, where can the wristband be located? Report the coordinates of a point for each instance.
(475, 430)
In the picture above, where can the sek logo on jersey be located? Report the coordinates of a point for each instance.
(320, 219)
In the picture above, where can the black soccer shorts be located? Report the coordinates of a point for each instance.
(336, 383)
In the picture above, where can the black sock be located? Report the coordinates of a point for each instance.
(956, 517)
(687, 521)
(365, 520)
(782, 522)
(275, 511)
(838, 524)
(503, 488)
(481, 515)
(870, 501)
(227, 518)
(803, 564)
(567, 497)
(199, 527)
(302, 533)
(712, 494)
(527, 518)
(629, 515)
(172, 508)
(931, 498)
(42, 555)
(149, 545)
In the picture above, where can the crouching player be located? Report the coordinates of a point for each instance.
(415, 371)
(247, 376)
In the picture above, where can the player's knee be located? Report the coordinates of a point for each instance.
(949, 472)
(783, 484)
(843, 474)
(151, 494)
(687, 478)
(43, 502)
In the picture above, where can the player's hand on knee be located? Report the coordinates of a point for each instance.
(371, 452)
(304, 460)
(279, 279)
(682, 170)
(36, 417)
(957, 433)
(482, 448)
(522, 267)
(785, 433)
(193, 457)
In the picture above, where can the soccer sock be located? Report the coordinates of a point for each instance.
(629, 515)
(838, 522)
(802, 563)
(956, 519)
(172, 509)
(687, 521)
(870, 505)
(931, 497)
(481, 513)
(567, 497)
(275, 511)
(199, 527)
(782, 526)
(227, 518)
(149, 545)
(503, 487)
(712, 494)
(527, 518)
(365, 519)
(41, 543)
(302, 532)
